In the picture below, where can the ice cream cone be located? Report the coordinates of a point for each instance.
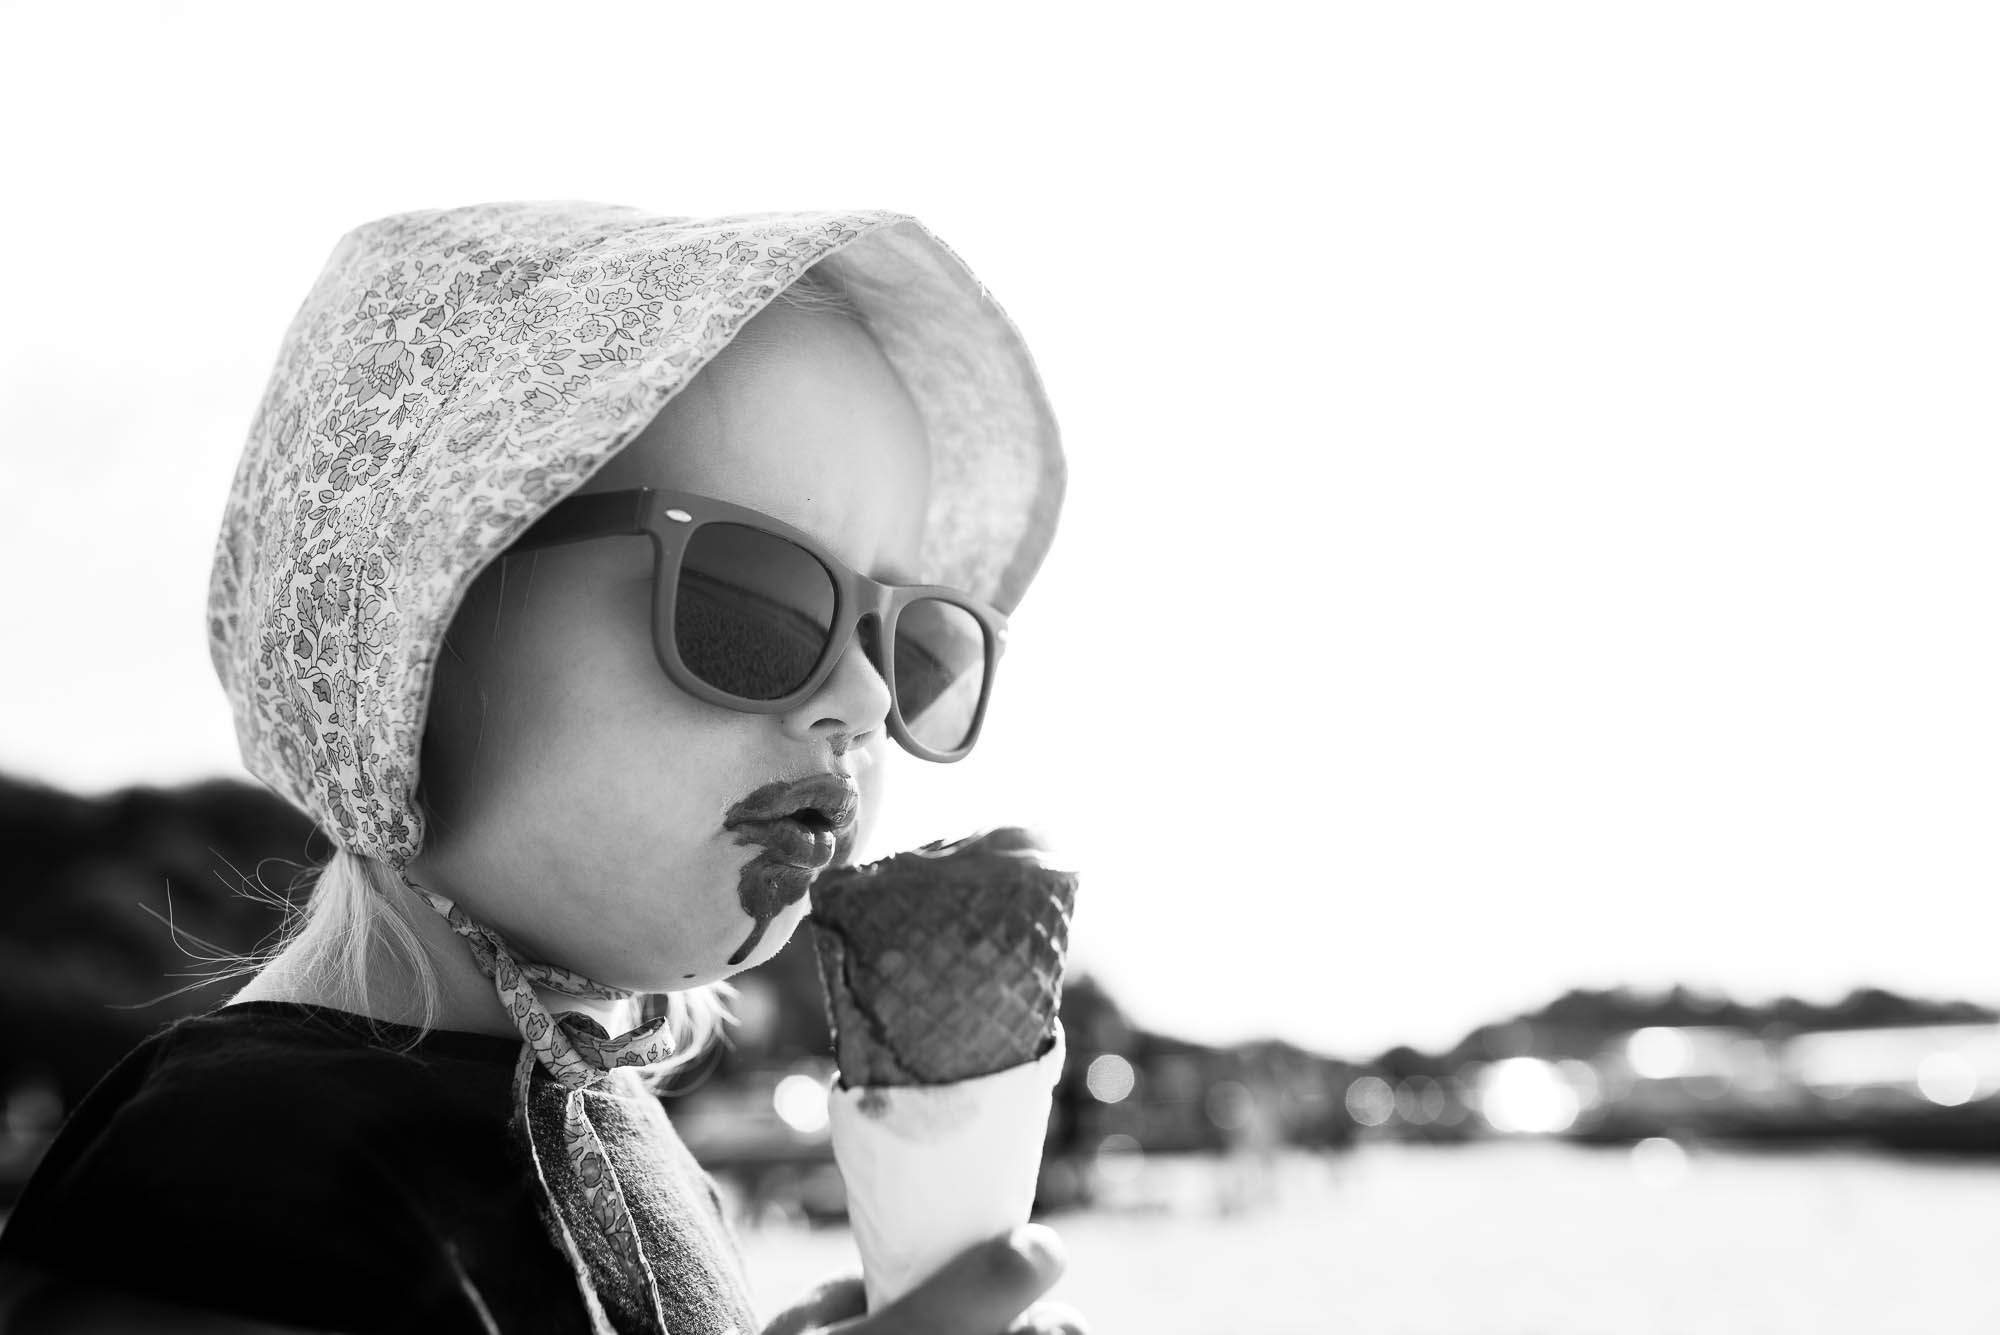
(945, 962)
(942, 969)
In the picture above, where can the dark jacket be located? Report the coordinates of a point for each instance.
(282, 1161)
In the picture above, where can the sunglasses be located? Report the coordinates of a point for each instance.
(752, 614)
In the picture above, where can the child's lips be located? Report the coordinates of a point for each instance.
(791, 842)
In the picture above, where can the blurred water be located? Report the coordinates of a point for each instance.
(1519, 1238)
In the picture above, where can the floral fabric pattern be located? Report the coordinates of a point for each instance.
(453, 373)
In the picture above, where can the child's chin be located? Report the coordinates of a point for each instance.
(775, 936)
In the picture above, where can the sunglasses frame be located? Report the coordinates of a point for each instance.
(671, 519)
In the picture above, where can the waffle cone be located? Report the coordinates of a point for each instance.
(945, 962)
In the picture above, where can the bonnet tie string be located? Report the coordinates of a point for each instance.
(576, 1053)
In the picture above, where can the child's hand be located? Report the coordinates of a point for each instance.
(988, 1289)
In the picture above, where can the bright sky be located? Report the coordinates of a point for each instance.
(1533, 470)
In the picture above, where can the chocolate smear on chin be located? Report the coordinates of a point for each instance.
(750, 942)
(764, 893)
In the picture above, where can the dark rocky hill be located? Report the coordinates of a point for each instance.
(88, 965)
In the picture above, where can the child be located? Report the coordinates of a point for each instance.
(611, 520)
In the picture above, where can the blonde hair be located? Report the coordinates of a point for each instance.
(357, 899)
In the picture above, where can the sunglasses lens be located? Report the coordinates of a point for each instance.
(940, 671)
(752, 611)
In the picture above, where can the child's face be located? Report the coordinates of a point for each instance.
(582, 816)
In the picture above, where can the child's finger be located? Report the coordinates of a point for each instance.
(1050, 1318)
(984, 1288)
(835, 1300)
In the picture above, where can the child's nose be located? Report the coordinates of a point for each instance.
(854, 698)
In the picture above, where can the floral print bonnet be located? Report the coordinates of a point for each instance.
(451, 375)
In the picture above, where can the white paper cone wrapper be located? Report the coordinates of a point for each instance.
(932, 1169)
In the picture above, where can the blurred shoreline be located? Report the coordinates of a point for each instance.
(91, 967)
(1514, 1237)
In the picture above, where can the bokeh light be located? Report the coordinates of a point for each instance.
(1419, 1100)
(1947, 1079)
(1583, 1078)
(800, 1102)
(1228, 1105)
(1110, 1078)
(1658, 1053)
(1370, 1101)
(1659, 1162)
(1120, 1158)
(1526, 1096)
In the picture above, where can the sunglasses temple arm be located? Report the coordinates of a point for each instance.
(597, 515)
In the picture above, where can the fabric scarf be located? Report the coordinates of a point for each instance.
(563, 1059)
